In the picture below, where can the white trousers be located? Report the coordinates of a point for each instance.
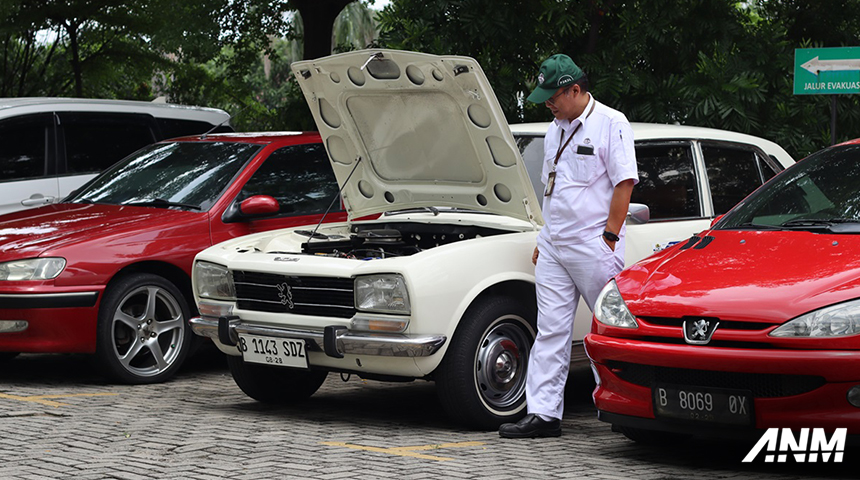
(563, 274)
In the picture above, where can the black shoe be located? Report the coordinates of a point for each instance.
(531, 426)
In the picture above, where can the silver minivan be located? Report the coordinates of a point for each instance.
(51, 146)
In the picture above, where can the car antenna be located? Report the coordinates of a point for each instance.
(229, 117)
(339, 192)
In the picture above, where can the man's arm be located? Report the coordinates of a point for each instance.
(618, 208)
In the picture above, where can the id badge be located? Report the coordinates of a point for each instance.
(550, 183)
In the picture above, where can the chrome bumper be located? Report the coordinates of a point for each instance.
(340, 341)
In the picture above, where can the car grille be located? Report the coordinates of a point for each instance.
(724, 324)
(319, 296)
(762, 385)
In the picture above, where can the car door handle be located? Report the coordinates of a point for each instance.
(40, 200)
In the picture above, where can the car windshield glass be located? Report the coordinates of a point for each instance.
(181, 175)
(818, 193)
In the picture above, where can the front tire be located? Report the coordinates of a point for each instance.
(481, 382)
(143, 334)
(276, 385)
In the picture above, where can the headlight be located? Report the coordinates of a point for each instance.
(382, 293)
(610, 309)
(32, 269)
(833, 321)
(213, 281)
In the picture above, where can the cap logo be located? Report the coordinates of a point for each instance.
(540, 79)
(564, 80)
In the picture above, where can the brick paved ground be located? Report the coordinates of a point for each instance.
(58, 421)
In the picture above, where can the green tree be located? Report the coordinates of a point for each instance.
(716, 63)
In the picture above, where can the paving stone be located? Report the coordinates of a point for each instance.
(201, 426)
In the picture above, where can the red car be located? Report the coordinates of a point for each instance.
(752, 324)
(107, 271)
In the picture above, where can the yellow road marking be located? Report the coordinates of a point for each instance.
(43, 399)
(407, 451)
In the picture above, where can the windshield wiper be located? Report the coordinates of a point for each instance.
(817, 222)
(832, 225)
(160, 202)
(753, 226)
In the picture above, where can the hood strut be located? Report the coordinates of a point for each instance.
(339, 192)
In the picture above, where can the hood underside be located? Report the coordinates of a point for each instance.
(405, 129)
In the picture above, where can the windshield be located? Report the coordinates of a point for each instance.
(818, 193)
(180, 174)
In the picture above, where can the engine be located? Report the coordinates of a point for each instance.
(369, 242)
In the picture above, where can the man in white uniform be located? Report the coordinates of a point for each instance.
(589, 172)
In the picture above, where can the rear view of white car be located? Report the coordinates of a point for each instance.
(49, 147)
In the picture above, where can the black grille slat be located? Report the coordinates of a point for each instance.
(319, 296)
(762, 385)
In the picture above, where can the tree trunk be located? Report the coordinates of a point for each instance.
(72, 30)
(318, 17)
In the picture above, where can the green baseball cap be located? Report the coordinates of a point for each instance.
(555, 72)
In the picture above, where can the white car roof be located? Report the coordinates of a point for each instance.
(658, 131)
(10, 107)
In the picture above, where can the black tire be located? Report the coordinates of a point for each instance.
(496, 332)
(653, 437)
(137, 343)
(275, 385)
(6, 356)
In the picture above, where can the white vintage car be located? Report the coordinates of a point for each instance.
(432, 277)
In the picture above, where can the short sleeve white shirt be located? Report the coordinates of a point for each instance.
(598, 158)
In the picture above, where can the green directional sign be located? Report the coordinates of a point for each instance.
(819, 71)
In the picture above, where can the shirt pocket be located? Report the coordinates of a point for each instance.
(582, 169)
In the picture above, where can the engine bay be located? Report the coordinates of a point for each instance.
(376, 241)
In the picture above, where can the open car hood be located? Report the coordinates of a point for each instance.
(416, 130)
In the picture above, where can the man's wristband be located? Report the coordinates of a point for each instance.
(610, 236)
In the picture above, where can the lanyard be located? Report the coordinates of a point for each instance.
(561, 136)
(550, 184)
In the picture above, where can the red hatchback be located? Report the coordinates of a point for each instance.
(752, 324)
(107, 271)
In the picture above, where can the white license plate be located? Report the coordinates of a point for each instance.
(281, 352)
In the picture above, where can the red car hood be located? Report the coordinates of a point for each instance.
(30, 233)
(746, 276)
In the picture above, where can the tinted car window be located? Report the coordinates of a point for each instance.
(667, 181)
(189, 173)
(299, 177)
(823, 187)
(23, 148)
(732, 173)
(97, 141)
(171, 127)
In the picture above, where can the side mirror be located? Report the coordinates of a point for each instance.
(715, 220)
(638, 213)
(258, 206)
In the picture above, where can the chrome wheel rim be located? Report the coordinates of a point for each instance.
(147, 331)
(501, 362)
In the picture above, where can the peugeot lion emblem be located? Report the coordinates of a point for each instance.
(699, 332)
(286, 295)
